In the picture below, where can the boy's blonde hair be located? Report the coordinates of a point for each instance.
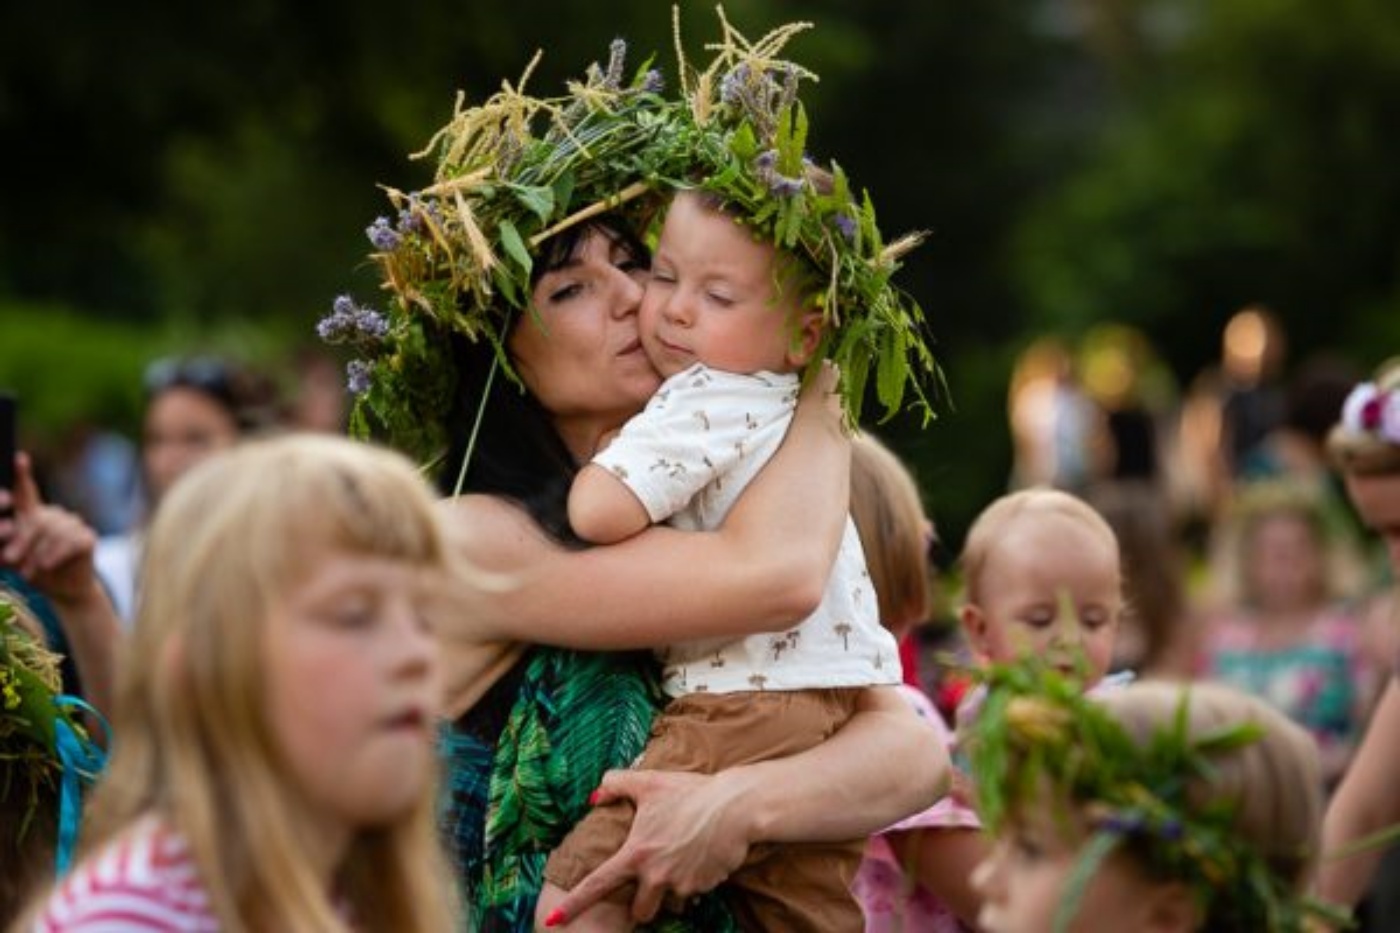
(194, 745)
(894, 532)
(1274, 783)
(997, 520)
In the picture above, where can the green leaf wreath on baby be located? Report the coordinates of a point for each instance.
(1038, 735)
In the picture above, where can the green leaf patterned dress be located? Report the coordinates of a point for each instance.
(521, 764)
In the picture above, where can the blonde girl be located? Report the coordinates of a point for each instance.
(914, 875)
(1157, 807)
(273, 767)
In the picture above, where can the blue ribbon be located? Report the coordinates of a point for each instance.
(82, 761)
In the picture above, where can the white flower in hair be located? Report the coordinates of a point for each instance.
(1369, 409)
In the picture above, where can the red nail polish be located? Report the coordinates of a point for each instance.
(556, 918)
(594, 797)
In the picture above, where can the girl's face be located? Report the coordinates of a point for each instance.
(1024, 879)
(1377, 500)
(581, 353)
(183, 426)
(353, 690)
(1051, 588)
(1283, 563)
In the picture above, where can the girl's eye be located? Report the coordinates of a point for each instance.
(1094, 618)
(1038, 619)
(723, 301)
(353, 616)
(662, 275)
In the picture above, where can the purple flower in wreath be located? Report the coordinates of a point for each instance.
(350, 323)
(358, 376)
(1373, 412)
(384, 237)
(847, 225)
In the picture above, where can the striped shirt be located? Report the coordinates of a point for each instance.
(145, 879)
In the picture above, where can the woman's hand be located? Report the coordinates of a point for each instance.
(689, 834)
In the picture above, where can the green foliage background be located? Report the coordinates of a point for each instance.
(196, 176)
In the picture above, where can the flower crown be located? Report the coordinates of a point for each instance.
(515, 170)
(45, 749)
(1370, 409)
(1038, 729)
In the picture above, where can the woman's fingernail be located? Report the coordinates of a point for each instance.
(556, 918)
(594, 797)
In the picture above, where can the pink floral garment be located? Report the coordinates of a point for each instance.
(893, 902)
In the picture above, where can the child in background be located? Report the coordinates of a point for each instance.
(1286, 638)
(1156, 807)
(725, 320)
(275, 758)
(915, 874)
(1044, 579)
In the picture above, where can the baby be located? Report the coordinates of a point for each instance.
(725, 321)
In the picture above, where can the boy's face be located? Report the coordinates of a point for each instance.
(1050, 587)
(1024, 878)
(713, 298)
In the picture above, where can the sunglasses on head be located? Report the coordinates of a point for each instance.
(203, 373)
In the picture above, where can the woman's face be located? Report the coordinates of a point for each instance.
(183, 426)
(1377, 500)
(580, 352)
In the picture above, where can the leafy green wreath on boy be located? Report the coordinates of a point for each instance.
(517, 169)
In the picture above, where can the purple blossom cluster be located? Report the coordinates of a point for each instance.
(847, 225)
(351, 323)
(653, 82)
(384, 237)
(358, 376)
(784, 186)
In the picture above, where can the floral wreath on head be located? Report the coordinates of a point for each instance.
(1037, 729)
(517, 169)
(1372, 409)
(43, 749)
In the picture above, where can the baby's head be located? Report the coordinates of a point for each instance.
(1043, 577)
(721, 295)
(1164, 806)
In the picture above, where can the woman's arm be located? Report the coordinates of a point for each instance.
(942, 860)
(763, 570)
(692, 830)
(1367, 801)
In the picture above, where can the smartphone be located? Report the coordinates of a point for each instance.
(9, 410)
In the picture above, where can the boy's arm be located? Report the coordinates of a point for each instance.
(603, 509)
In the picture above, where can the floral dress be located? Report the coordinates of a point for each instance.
(520, 766)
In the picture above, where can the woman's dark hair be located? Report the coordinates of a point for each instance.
(519, 453)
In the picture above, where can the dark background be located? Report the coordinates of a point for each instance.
(199, 176)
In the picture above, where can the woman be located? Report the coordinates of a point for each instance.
(533, 729)
(195, 408)
(1365, 445)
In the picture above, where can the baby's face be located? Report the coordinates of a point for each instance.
(713, 297)
(1049, 588)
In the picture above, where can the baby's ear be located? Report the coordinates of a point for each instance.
(805, 338)
(974, 623)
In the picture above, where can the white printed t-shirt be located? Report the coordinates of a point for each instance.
(702, 438)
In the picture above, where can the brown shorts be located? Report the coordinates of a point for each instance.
(790, 887)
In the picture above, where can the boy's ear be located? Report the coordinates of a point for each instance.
(805, 338)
